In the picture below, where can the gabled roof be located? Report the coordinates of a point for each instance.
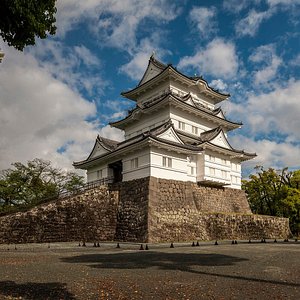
(210, 134)
(241, 154)
(170, 72)
(209, 141)
(155, 137)
(106, 144)
(154, 66)
(182, 101)
(146, 138)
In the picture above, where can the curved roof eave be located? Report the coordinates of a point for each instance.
(142, 142)
(132, 93)
(120, 124)
(241, 153)
(156, 63)
(101, 141)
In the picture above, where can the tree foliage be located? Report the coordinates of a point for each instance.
(29, 184)
(23, 20)
(275, 193)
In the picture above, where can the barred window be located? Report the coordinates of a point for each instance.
(181, 125)
(134, 163)
(167, 162)
(99, 174)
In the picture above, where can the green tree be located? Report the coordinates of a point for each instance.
(275, 193)
(28, 184)
(292, 201)
(21, 21)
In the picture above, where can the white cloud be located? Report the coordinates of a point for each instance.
(114, 22)
(219, 84)
(271, 127)
(269, 153)
(203, 19)
(76, 66)
(235, 5)
(283, 2)
(112, 133)
(219, 59)
(266, 56)
(40, 114)
(87, 57)
(295, 61)
(275, 112)
(136, 67)
(250, 24)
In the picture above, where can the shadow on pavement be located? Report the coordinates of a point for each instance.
(33, 291)
(169, 261)
(143, 260)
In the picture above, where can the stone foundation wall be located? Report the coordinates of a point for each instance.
(143, 210)
(184, 211)
(91, 216)
(194, 225)
(132, 217)
(175, 195)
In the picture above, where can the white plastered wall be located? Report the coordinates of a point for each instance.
(190, 120)
(143, 168)
(153, 93)
(214, 167)
(178, 170)
(236, 174)
(147, 122)
(177, 87)
(92, 173)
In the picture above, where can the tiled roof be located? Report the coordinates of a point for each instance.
(183, 99)
(155, 62)
(151, 134)
(210, 134)
(108, 143)
(169, 69)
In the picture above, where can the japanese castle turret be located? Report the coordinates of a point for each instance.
(176, 131)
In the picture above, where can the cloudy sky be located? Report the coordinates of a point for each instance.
(57, 96)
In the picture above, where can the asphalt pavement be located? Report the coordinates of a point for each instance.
(225, 271)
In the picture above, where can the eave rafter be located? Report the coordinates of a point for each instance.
(171, 73)
(232, 153)
(170, 99)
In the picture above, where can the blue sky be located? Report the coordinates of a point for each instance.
(58, 95)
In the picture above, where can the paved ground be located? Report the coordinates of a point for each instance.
(66, 271)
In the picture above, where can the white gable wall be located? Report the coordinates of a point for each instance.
(221, 141)
(98, 150)
(151, 72)
(170, 135)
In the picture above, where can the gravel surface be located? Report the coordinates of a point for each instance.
(225, 271)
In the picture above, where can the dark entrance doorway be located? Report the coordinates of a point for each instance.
(117, 168)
